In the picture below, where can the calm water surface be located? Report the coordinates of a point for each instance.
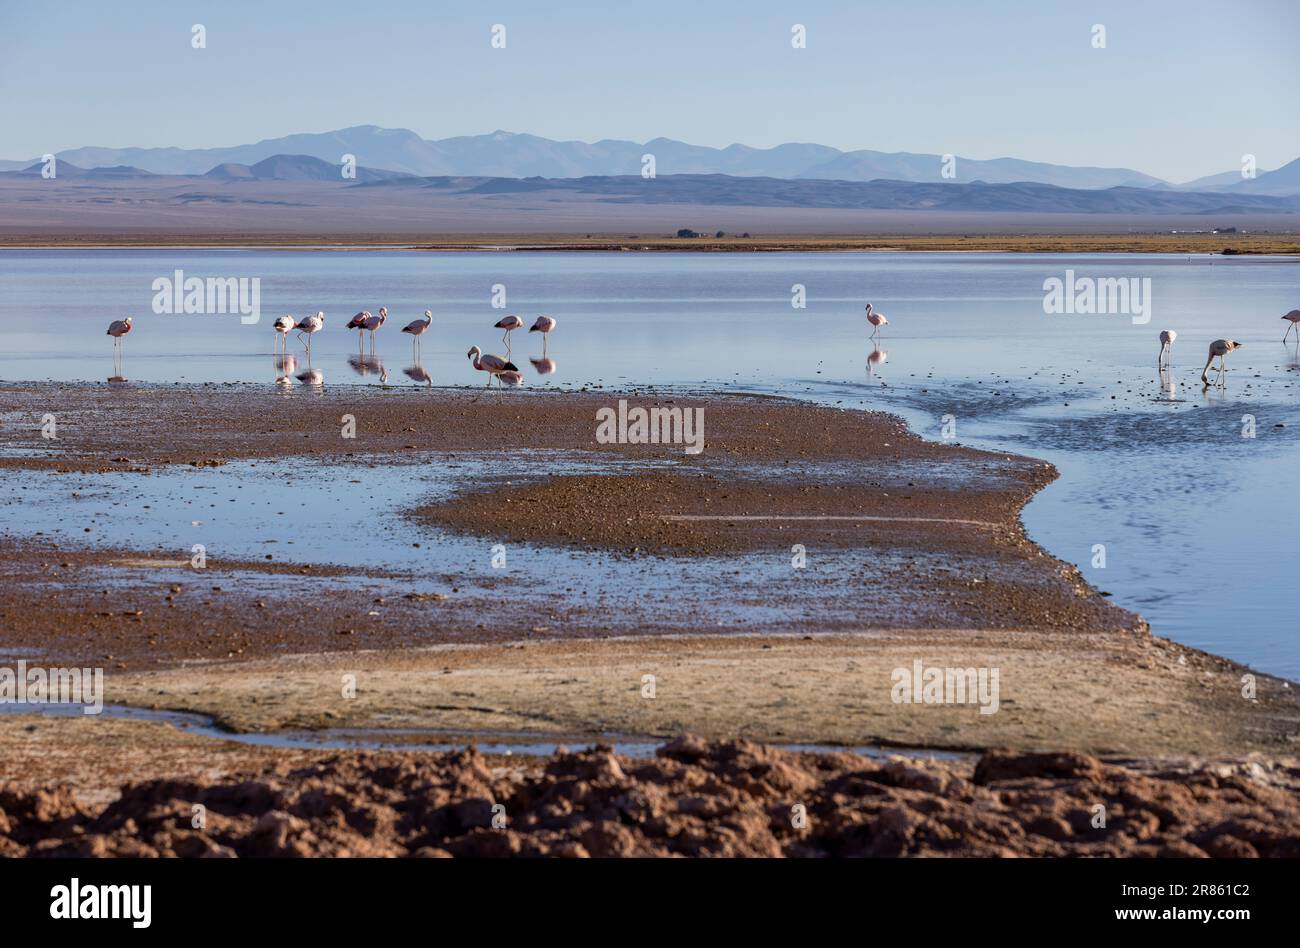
(1199, 524)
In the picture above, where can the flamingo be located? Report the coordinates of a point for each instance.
(117, 329)
(510, 377)
(1167, 337)
(310, 325)
(371, 323)
(876, 319)
(509, 324)
(544, 325)
(282, 327)
(416, 329)
(491, 364)
(1293, 317)
(1220, 348)
(358, 322)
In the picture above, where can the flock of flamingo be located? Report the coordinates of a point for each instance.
(507, 373)
(1218, 348)
(502, 369)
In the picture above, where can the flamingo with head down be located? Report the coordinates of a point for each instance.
(1293, 317)
(1167, 337)
(1219, 348)
(283, 325)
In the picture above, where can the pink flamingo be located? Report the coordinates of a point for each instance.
(509, 324)
(117, 329)
(358, 322)
(283, 325)
(876, 319)
(544, 325)
(310, 325)
(371, 323)
(417, 329)
(1294, 317)
(1167, 337)
(493, 365)
(1219, 348)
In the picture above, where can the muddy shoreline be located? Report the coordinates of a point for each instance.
(928, 562)
(695, 798)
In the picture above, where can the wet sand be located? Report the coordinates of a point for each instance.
(262, 645)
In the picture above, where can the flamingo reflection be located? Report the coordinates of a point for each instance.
(418, 373)
(285, 366)
(369, 365)
(876, 357)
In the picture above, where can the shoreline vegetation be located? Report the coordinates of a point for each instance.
(1227, 244)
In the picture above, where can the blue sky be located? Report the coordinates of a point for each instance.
(1182, 89)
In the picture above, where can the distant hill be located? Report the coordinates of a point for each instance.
(510, 155)
(1283, 181)
(67, 170)
(725, 190)
(297, 168)
(905, 166)
(717, 190)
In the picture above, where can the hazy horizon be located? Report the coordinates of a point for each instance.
(1179, 91)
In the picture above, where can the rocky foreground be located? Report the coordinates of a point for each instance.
(692, 799)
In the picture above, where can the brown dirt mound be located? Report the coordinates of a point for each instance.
(693, 799)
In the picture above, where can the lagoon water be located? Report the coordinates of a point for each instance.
(1198, 521)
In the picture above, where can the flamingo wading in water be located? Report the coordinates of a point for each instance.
(544, 325)
(371, 323)
(509, 324)
(310, 325)
(283, 325)
(1293, 317)
(1167, 337)
(417, 329)
(358, 322)
(1219, 348)
(493, 365)
(876, 319)
(117, 329)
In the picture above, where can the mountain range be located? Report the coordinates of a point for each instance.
(381, 152)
